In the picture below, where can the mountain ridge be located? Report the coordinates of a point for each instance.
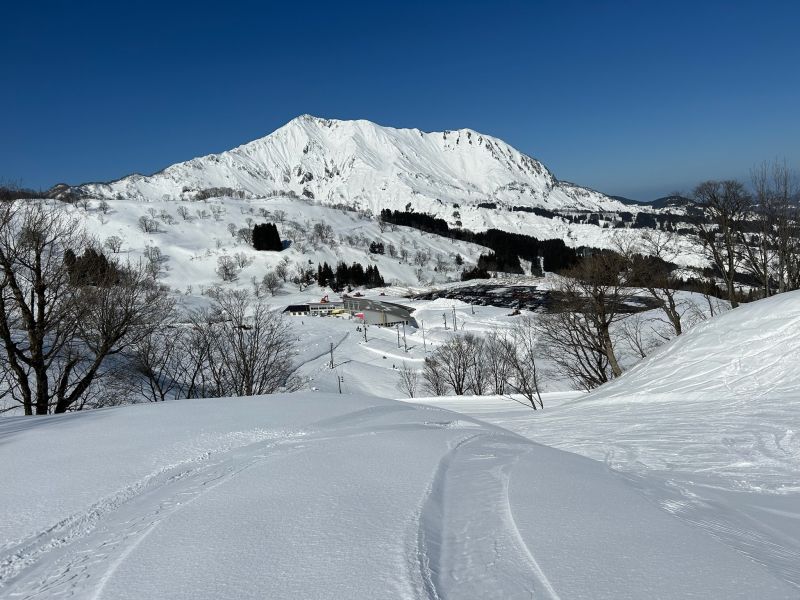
(365, 165)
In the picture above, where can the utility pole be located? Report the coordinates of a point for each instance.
(405, 345)
(424, 343)
(444, 318)
(365, 330)
(455, 327)
(331, 355)
(340, 379)
(398, 334)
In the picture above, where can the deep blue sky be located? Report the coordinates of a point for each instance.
(632, 98)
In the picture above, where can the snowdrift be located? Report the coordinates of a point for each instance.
(323, 496)
(707, 428)
(746, 355)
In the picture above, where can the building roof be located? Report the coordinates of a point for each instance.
(296, 308)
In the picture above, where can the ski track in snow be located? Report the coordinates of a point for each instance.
(61, 561)
(460, 549)
(78, 556)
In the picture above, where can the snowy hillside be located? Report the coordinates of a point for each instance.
(747, 355)
(365, 165)
(191, 245)
(319, 496)
(707, 426)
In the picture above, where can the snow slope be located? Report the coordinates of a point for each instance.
(363, 164)
(707, 426)
(192, 246)
(328, 496)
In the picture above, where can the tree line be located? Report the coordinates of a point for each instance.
(507, 247)
(501, 362)
(353, 275)
(755, 234)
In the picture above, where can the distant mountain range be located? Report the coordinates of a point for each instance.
(663, 202)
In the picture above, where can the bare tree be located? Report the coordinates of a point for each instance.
(576, 333)
(497, 365)
(479, 376)
(57, 333)
(250, 347)
(272, 282)
(166, 217)
(218, 211)
(282, 269)
(193, 354)
(303, 276)
(226, 268)
(155, 261)
(113, 243)
(641, 334)
(725, 205)
(103, 207)
(456, 360)
(113, 317)
(157, 361)
(435, 382)
(520, 351)
(770, 244)
(598, 288)
(148, 224)
(652, 266)
(409, 380)
(571, 344)
(183, 213)
(787, 226)
(245, 235)
(243, 260)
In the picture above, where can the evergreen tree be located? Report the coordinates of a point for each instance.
(266, 237)
(325, 276)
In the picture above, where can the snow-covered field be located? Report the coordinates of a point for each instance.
(707, 428)
(333, 496)
(687, 487)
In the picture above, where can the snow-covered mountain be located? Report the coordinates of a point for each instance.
(361, 164)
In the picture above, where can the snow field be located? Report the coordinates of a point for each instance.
(333, 496)
(706, 428)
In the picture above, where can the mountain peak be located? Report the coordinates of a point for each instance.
(367, 166)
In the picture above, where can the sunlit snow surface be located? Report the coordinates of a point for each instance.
(707, 428)
(328, 496)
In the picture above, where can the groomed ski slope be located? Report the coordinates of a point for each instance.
(708, 427)
(328, 496)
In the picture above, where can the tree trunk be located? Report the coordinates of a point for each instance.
(609, 350)
(41, 390)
